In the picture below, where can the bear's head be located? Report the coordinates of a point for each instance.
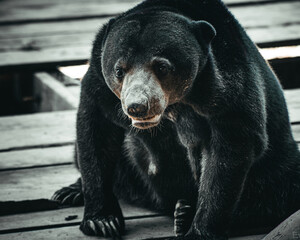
(150, 60)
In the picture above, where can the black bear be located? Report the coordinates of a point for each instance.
(179, 110)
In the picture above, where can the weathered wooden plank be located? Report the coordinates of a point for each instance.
(14, 11)
(53, 95)
(267, 15)
(296, 132)
(37, 183)
(136, 229)
(36, 157)
(37, 129)
(46, 219)
(60, 10)
(261, 35)
(266, 24)
(41, 29)
(287, 230)
(44, 58)
(275, 36)
(43, 42)
(293, 101)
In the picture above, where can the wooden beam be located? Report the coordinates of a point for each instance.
(287, 230)
(52, 94)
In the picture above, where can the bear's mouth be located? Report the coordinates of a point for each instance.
(144, 123)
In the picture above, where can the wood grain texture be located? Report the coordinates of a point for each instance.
(46, 58)
(136, 229)
(37, 129)
(53, 10)
(44, 219)
(32, 10)
(36, 157)
(37, 183)
(289, 229)
(266, 15)
(296, 132)
(293, 101)
(42, 45)
(53, 95)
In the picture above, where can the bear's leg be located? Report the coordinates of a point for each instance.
(70, 195)
(183, 217)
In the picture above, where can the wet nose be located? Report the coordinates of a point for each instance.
(137, 110)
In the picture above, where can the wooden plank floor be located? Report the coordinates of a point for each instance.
(42, 34)
(39, 161)
(36, 150)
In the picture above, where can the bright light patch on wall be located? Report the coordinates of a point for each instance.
(280, 52)
(78, 71)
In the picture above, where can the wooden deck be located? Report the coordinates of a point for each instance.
(36, 150)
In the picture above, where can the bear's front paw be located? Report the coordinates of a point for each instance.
(70, 195)
(183, 217)
(110, 226)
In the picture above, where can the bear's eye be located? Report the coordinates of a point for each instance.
(119, 72)
(163, 69)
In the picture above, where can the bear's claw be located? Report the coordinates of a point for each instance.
(71, 195)
(182, 217)
(106, 227)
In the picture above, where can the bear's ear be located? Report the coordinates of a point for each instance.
(101, 36)
(98, 46)
(204, 30)
(106, 30)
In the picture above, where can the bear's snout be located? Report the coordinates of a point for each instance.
(143, 99)
(138, 110)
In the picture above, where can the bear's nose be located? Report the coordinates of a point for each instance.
(137, 110)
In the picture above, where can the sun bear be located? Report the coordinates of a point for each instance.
(180, 112)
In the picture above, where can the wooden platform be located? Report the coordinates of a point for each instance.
(36, 150)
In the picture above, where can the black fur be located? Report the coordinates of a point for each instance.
(224, 143)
